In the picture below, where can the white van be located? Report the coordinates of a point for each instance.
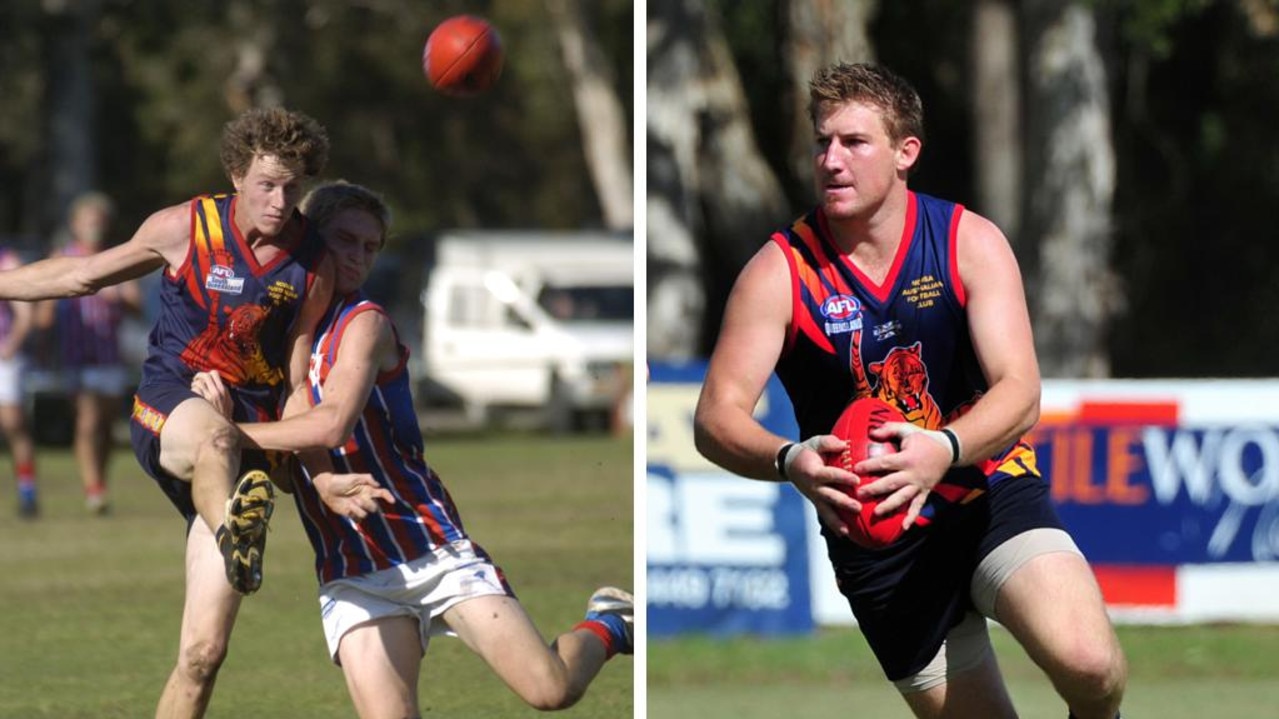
(531, 319)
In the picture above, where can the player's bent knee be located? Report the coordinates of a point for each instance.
(225, 439)
(546, 687)
(1098, 670)
(552, 698)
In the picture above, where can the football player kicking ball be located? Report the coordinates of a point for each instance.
(395, 565)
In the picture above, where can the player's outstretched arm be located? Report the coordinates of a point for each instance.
(162, 239)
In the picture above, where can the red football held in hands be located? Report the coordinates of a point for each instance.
(463, 56)
(853, 426)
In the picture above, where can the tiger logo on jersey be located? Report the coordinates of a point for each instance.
(903, 383)
(236, 351)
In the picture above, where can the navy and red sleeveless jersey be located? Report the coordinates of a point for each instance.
(904, 341)
(222, 310)
(89, 326)
(387, 443)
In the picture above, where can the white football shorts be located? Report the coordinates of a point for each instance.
(11, 380)
(424, 588)
(108, 380)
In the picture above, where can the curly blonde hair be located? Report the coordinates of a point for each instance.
(293, 138)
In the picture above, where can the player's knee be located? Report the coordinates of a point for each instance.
(201, 661)
(1098, 669)
(549, 689)
(553, 698)
(224, 440)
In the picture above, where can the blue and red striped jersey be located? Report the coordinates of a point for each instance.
(386, 443)
(88, 327)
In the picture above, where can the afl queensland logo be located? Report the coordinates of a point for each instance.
(843, 314)
(222, 279)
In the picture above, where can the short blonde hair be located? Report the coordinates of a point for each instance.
(903, 111)
(325, 201)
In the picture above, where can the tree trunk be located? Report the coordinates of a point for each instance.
(600, 117)
(251, 84)
(1069, 190)
(996, 103)
(708, 185)
(819, 32)
(70, 99)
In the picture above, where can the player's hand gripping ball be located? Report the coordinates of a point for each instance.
(463, 56)
(853, 426)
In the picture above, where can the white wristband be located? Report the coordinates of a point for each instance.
(791, 452)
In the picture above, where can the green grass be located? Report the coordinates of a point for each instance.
(1175, 673)
(90, 607)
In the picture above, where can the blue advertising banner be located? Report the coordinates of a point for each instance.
(1165, 495)
(726, 555)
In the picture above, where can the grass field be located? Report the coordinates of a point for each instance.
(90, 607)
(1222, 672)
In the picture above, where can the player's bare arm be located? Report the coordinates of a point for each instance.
(162, 239)
(367, 348)
(999, 323)
(725, 429)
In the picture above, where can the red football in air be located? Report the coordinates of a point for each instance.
(853, 426)
(463, 56)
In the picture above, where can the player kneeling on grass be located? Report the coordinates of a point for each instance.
(394, 563)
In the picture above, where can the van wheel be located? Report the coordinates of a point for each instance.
(560, 415)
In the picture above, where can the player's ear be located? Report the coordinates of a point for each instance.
(908, 153)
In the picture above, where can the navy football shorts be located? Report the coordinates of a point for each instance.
(155, 400)
(907, 596)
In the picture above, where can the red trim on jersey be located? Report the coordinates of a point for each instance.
(187, 272)
(201, 257)
(175, 273)
(952, 244)
(881, 292)
(286, 243)
(787, 252)
(807, 276)
(813, 277)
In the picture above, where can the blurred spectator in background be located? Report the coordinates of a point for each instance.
(87, 330)
(15, 325)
